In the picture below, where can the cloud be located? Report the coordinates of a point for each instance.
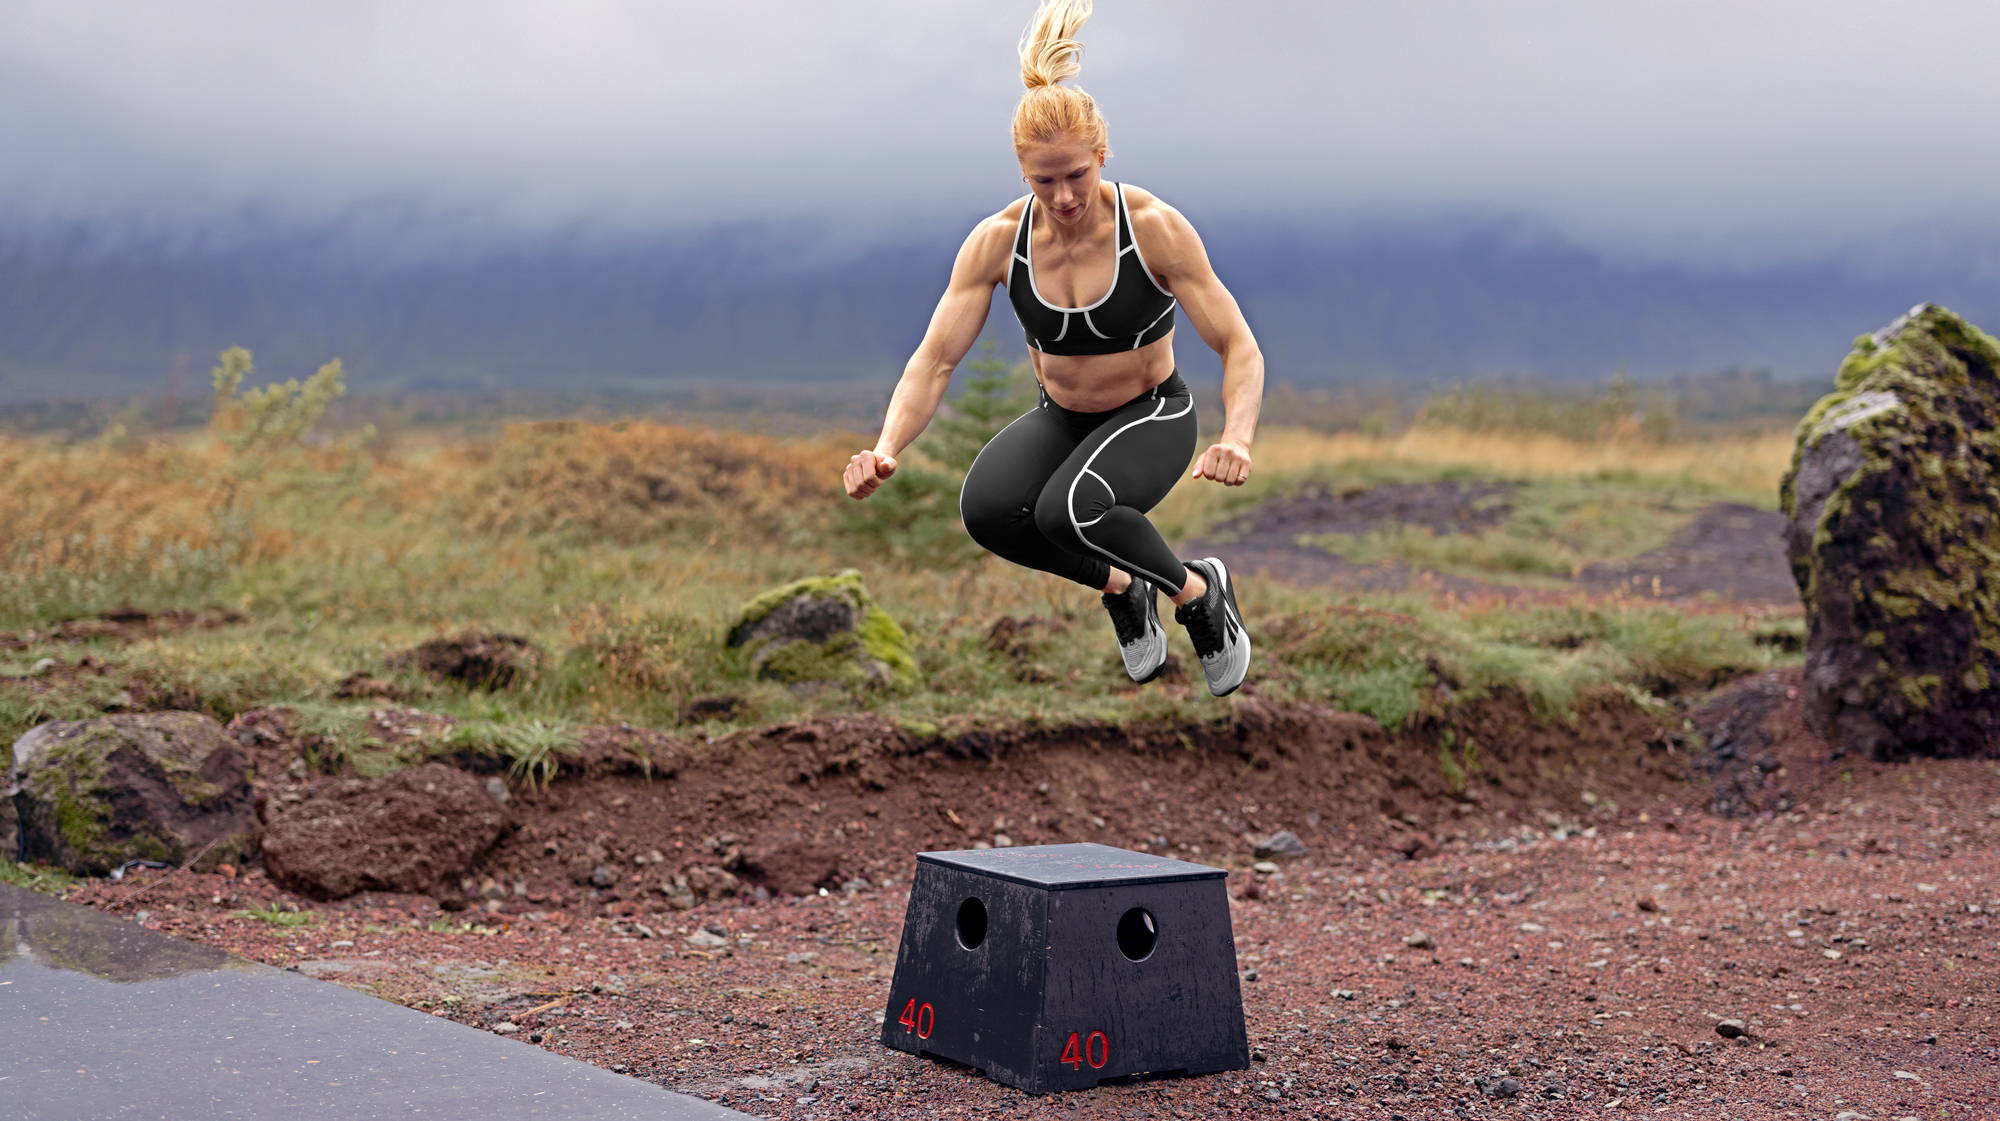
(1688, 129)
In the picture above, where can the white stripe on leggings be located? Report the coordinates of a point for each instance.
(1070, 503)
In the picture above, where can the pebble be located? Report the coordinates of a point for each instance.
(1531, 928)
(1273, 1094)
(703, 939)
(506, 1027)
(1503, 1088)
(1906, 1075)
(1259, 1055)
(1850, 1115)
(1264, 868)
(1419, 941)
(1731, 1029)
(1344, 994)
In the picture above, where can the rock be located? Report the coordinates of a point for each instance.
(166, 786)
(1893, 540)
(1731, 1029)
(706, 940)
(792, 869)
(1504, 1087)
(1264, 868)
(412, 831)
(820, 631)
(477, 660)
(705, 881)
(10, 822)
(1280, 846)
(506, 1027)
(1419, 941)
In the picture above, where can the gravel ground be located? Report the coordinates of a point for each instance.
(1838, 957)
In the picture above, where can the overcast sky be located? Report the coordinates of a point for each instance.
(1707, 131)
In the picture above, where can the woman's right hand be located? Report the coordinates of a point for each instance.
(865, 471)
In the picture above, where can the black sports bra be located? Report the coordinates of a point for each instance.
(1136, 310)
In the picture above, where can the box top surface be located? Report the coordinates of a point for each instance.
(1067, 867)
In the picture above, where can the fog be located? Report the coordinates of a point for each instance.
(1696, 132)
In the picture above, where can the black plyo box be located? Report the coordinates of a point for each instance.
(1054, 967)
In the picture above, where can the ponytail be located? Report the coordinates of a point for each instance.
(1050, 53)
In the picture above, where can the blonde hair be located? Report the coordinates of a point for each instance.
(1049, 54)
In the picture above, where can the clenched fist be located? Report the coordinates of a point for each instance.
(865, 471)
(1227, 463)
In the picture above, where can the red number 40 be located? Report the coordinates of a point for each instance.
(1096, 1051)
(919, 1018)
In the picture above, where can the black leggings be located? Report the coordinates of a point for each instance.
(1067, 492)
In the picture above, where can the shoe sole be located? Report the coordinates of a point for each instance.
(1242, 632)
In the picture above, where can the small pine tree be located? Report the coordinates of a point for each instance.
(257, 424)
(914, 516)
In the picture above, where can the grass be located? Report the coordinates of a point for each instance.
(623, 551)
(36, 877)
(277, 916)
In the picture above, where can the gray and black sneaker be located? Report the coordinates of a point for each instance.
(1217, 628)
(1142, 641)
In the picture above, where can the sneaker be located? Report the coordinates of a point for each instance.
(1142, 641)
(1217, 628)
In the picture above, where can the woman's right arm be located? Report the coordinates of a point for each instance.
(954, 327)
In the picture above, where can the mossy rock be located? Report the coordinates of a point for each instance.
(1894, 540)
(168, 786)
(823, 630)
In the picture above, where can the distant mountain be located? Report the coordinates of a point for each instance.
(94, 311)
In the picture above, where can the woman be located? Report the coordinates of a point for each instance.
(1095, 271)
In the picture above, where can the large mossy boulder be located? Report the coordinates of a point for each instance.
(171, 786)
(827, 629)
(1894, 539)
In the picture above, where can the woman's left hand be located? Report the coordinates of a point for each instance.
(1227, 462)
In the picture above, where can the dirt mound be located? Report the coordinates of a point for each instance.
(477, 660)
(1730, 550)
(413, 831)
(1446, 506)
(873, 791)
(124, 624)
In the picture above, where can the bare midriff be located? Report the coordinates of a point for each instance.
(1093, 383)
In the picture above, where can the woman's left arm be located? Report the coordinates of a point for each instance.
(1213, 311)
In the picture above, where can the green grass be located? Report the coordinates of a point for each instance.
(342, 561)
(277, 916)
(36, 877)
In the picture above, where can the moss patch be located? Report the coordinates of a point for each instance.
(823, 629)
(1895, 540)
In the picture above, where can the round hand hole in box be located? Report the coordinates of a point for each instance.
(1137, 932)
(971, 923)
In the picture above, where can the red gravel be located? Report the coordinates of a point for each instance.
(1581, 954)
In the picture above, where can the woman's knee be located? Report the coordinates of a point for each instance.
(1058, 514)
